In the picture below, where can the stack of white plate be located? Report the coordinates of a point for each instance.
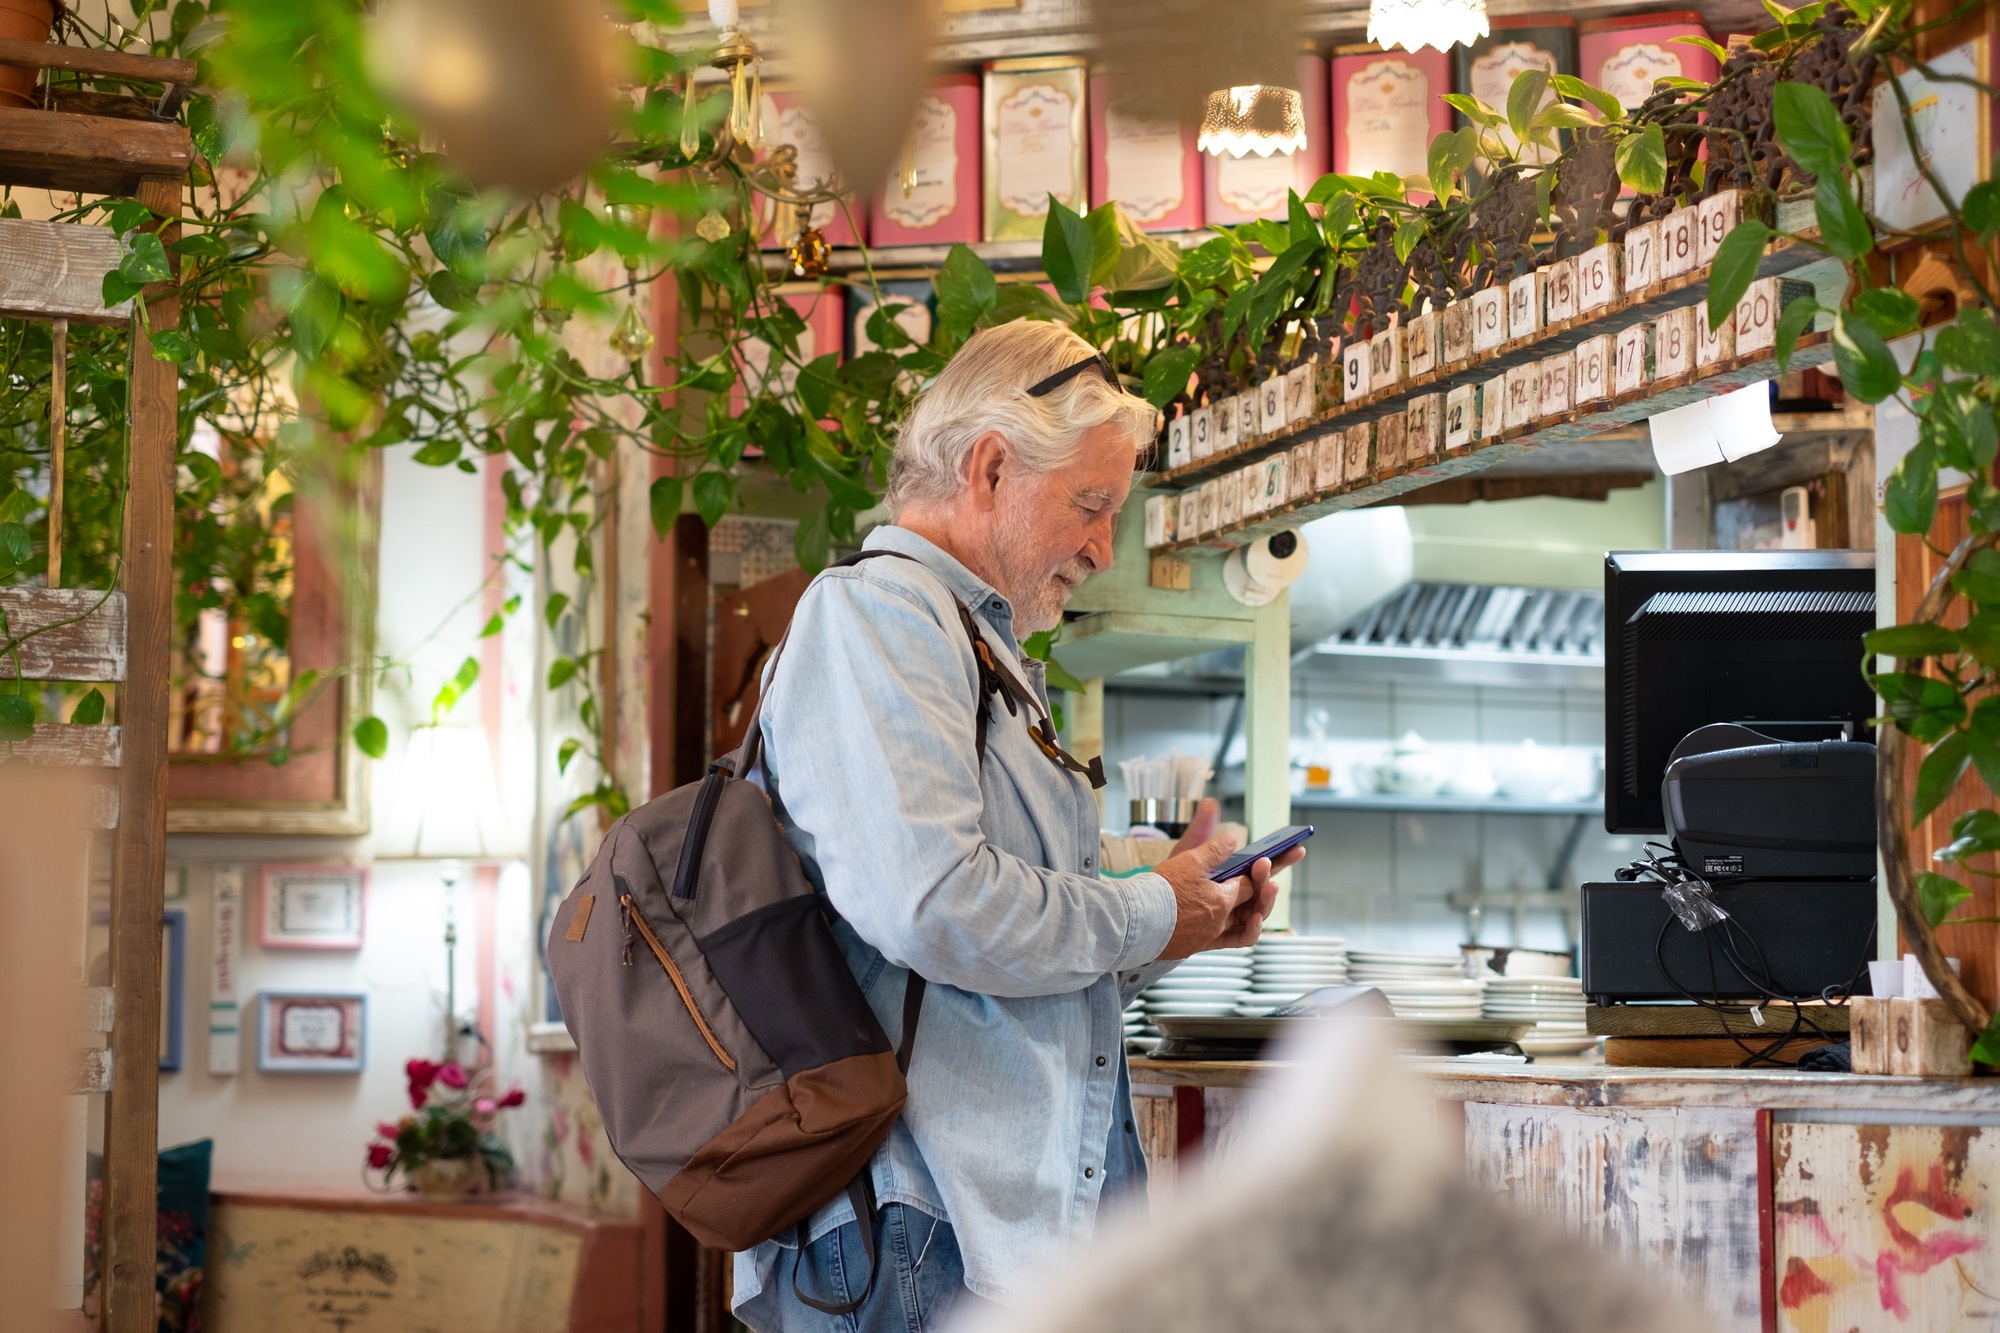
(1136, 1026)
(1430, 986)
(1207, 985)
(1284, 967)
(1553, 1004)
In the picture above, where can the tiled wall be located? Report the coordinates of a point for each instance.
(1383, 878)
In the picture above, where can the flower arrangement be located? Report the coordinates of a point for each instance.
(447, 1142)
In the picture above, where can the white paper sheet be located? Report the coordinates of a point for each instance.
(1741, 421)
(1683, 439)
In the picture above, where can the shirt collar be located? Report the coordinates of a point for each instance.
(979, 596)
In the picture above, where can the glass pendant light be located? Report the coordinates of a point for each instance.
(1253, 118)
(1415, 24)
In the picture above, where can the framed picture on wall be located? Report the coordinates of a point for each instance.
(312, 1032)
(312, 907)
(173, 987)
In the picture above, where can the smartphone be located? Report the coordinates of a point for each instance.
(1271, 844)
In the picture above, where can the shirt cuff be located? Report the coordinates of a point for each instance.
(1151, 915)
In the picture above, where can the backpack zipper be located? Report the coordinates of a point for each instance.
(688, 872)
(638, 919)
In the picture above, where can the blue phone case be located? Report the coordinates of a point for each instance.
(1272, 844)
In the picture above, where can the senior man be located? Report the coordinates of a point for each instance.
(978, 875)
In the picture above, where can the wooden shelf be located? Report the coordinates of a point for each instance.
(922, 261)
(1442, 805)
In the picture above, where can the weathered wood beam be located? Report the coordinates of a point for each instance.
(62, 634)
(91, 60)
(56, 150)
(63, 745)
(55, 270)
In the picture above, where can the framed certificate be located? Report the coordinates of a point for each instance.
(313, 907)
(311, 1032)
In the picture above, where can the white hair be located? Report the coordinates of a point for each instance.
(985, 388)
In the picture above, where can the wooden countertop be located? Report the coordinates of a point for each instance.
(1585, 1085)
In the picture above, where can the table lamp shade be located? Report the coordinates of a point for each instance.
(445, 803)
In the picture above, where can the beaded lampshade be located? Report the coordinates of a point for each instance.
(1415, 24)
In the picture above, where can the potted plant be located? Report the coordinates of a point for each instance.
(445, 1148)
(24, 21)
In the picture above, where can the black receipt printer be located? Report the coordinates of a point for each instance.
(1742, 805)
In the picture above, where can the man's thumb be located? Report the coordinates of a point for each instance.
(1212, 853)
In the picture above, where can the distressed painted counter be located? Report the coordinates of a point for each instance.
(1784, 1201)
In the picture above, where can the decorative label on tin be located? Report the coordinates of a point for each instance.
(934, 139)
(1254, 184)
(1493, 77)
(1036, 149)
(1629, 72)
(797, 127)
(1144, 160)
(1387, 119)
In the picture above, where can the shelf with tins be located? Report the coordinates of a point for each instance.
(923, 261)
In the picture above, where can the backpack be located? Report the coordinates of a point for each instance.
(739, 1070)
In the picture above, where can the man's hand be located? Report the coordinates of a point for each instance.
(1210, 915)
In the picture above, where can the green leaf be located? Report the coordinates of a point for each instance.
(552, 609)
(1987, 1049)
(17, 717)
(1938, 894)
(1911, 641)
(1842, 227)
(494, 624)
(314, 315)
(16, 549)
(1407, 237)
(1524, 98)
(1981, 209)
(665, 499)
(1867, 369)
(1167, 373)
(1704, 43)
(1793, 321)
(1923, 706)
(1103, 224)
(811, 541)
(714, 492)
(566, 752)
(89, 710)
(1438, 165)
(1983, 731)
(1909, 499)
(1979, 578)
(1473, 110)
(1642, 160)
(1571, 86)
(1971, 343)
(1299, 222)
(1890, 311)
(966, 290)
(1809, 128)
(1735, 268)
(1939, 774)
(118, 289)
(561, 672)
(1067, 252)
(440, 452)
(1974, 833)
(371, 736)
(145, 258)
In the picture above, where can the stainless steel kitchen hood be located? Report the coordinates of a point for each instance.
(1471, 634)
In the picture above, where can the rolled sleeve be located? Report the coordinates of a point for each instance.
(1150, 914)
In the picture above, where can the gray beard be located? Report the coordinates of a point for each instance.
(1037, 596)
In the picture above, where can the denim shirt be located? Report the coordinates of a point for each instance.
(984, 879)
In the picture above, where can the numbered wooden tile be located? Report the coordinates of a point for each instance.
(1593, 370)
(1489, 318)
(1201, 433)
(1385, 359)
(1226, 423)
(1524, 395)
(1715, 217)
(1524, 305)
(1562, 291)
(1677, 242)
(1757, 313)
(1673, 343)
(1597, 277)
(1420, 344)
(1642, 257)
(1329, 454)
(1493, 408)
(1271, 406)
(1179, 454)
(1631, 359)
(1558, 377)
(1712, 346)
(1277, 483)
(1461, 416)
(1357, 452)
(1211, 507)
(1298, 393)
(1454, 335)
(1425, 431)
(1229, 499)
(1391, 440)
(1327, 371)
(1156, 520)
(1301, 480)
(1354, 372)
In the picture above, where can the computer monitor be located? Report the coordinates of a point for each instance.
(1768, 639)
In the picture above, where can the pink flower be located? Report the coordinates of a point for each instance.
(379, 1155)
(452, 1076)
(422, 1073)
(486, 1106)
(388, 1131)
(515, 1096)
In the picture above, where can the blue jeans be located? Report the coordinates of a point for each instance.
(919, 1279)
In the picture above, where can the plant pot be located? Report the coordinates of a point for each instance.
(448, 1179)
(26, 21)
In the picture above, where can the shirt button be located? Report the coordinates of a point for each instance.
(1128, 1127)
(1089, 1172)
(1100, 1062)
(1086, 862)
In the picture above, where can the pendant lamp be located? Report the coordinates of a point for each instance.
(1253, 118)
(1415, 24)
